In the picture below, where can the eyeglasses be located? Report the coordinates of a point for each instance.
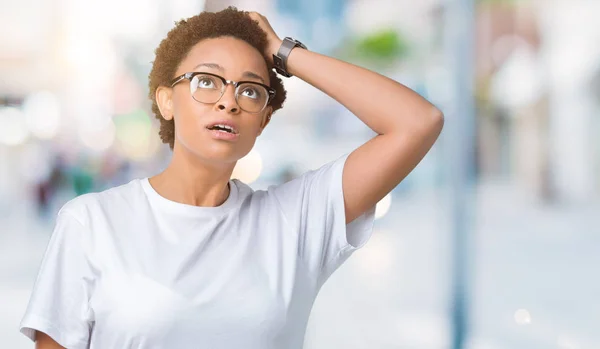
(252, 97)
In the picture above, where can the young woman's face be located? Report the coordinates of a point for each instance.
(232, 59)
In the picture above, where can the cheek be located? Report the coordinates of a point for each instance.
(184, 105)
(189, 117)
(252, 126)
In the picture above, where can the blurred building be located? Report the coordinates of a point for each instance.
(536, 97)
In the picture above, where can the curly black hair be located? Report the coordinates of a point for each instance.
(187, 33)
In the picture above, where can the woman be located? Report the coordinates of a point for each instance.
(191, 259)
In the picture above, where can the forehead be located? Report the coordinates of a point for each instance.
(234, 55)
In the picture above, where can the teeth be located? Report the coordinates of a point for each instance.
(226, 127)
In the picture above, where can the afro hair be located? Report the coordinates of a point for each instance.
(187, 33)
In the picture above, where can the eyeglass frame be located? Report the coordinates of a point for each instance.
(190, 75)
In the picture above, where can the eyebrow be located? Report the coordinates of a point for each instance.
(247, 74)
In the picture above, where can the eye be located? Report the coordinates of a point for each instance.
(250, 92)
(206, 82)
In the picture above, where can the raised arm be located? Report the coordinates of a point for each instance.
(407, 125)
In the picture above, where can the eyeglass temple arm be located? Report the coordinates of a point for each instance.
(178, 79)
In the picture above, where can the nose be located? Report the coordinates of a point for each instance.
(227, 101)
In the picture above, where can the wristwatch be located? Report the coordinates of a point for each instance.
(280, 59)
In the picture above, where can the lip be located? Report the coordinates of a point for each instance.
(223, 135)
(224, 122)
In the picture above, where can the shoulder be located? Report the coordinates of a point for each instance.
(319, 178)
(115, 198)
(259, 200)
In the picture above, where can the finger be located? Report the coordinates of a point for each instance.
(254, 15)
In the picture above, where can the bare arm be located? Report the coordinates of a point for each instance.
(406, 124)
(43, 341)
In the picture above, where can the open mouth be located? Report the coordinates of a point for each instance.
(223, 128)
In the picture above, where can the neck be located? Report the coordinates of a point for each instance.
(192, 180)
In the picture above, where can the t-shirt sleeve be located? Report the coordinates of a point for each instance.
(313, 205)
(58, 305)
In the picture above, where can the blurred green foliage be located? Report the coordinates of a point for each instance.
(382, 45)
(378, 49)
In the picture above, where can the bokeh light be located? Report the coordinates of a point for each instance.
(42, 113)
(383, 206)
(98, 139)
(522, 317)
(13, 129)
(137, 139)
(249, 167)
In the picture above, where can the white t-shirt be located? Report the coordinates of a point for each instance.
(128, 268)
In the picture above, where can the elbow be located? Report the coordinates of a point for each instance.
(437, 121)
(424, 122)
(432, 122)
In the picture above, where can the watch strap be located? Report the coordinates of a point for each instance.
(280, 59)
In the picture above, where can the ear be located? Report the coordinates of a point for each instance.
(266, 120)
(165, 102)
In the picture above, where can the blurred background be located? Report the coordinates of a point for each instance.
(491, 243)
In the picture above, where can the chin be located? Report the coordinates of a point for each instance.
(216, 152)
